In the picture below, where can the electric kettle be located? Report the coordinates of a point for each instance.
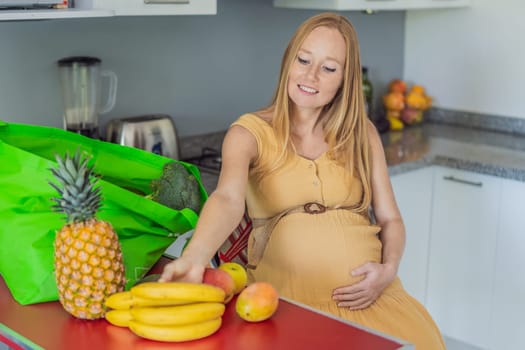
(154, 133)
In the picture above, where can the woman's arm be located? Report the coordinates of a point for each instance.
(386, 212)
(376, 277)
(222, 211)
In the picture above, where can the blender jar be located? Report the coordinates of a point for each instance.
(81, 83)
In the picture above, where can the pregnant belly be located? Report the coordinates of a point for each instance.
(310, 255)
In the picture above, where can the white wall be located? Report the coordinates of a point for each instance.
(470, 59)
(204, 71)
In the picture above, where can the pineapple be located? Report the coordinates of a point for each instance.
(88, 257)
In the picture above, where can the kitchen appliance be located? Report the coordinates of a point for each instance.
(154, 133)
(81, 86)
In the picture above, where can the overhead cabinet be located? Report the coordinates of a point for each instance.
(110, 8)
(40, 14)
(363, 5)
(151, 7)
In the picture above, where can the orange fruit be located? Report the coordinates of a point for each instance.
(418, 89)
(394, 101)
(416, 100)
(397, 85)
(257, 302)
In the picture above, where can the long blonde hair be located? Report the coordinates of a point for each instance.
(344, 118)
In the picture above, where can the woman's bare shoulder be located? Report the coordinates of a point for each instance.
(373, 134)
(240, 140)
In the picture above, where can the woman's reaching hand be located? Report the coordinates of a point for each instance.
(182, 270)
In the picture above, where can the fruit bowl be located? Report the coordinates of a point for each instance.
(405, 107)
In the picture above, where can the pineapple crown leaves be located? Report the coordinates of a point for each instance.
(79, 196)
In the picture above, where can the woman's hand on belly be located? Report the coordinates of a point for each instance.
(376, 277)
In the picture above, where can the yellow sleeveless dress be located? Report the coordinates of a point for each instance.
(308, 256)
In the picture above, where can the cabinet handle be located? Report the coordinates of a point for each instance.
(466, 182)
(166, 1)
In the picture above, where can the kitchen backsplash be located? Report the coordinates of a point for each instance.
(201, 70)
(509, 134)
(477, 120)
(191, 146)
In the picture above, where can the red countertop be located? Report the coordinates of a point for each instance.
(291, 327)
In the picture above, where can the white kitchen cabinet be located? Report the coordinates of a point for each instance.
(151, 7)
(40, 14)
(361, 5)
(413, 192)
(507, 328)
(462, 253)
(435, 4)
(110, 8)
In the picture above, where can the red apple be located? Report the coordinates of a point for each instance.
(221, 279)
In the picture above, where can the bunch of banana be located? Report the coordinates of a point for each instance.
(172, 312)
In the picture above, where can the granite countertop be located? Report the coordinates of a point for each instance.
(494, 153)
(486, 152)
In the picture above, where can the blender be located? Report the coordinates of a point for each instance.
(81, 85)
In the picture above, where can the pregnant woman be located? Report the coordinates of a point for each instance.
(311, 165)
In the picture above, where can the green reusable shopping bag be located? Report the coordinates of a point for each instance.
(28, 224)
